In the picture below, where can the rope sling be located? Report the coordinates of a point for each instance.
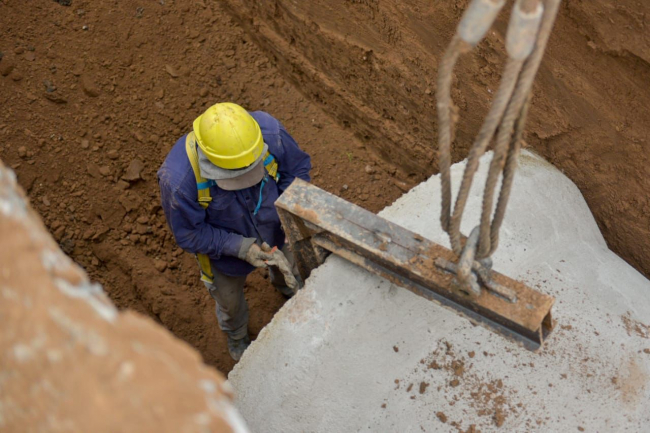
(528, 32)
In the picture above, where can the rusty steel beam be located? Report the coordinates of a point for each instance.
(318, 223)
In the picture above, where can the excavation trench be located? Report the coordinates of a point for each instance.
(372, 64)
(95, 94)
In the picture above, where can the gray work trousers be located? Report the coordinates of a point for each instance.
(228, 293)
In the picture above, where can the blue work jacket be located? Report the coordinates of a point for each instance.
(219, 230)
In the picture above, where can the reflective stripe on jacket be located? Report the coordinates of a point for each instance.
(218, 231)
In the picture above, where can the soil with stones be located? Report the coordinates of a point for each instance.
(373, 65)
(94, 94)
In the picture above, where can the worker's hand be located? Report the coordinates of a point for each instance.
(279, 260)
(256, 257)
(253, 254)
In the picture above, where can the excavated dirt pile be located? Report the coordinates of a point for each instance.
(94, 94)
(71, 362)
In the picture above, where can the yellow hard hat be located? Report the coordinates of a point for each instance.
(228, 136)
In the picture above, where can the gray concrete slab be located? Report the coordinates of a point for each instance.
(353, 352)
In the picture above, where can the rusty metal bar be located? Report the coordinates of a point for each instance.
(318, 223)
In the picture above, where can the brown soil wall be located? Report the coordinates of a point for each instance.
(372, 65)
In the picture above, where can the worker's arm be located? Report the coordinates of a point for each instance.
(186, 218)
(292, 162)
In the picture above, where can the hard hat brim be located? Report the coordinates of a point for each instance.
(251, 178)
(231, 180)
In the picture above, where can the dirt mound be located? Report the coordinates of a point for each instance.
(373, 65)
(93, 97)
(71, 362)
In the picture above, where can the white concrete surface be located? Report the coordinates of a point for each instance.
(341, 355)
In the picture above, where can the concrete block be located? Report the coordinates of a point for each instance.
(353, 352)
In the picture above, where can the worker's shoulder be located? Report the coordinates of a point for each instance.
(175, 170)
(268, 124)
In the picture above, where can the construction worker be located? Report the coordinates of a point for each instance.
(218, 187)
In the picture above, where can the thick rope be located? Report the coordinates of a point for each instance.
(510, 74)
(445, 124)
(513, 112)
(508, 113)
(508, 176)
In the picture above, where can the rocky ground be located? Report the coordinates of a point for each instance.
(94, 94)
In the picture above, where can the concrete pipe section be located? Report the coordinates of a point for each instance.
(353, 352)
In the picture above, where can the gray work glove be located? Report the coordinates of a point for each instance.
(253, 254)
(263, 256)
(279, 260)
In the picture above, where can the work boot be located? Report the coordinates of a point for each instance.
(238, 347)
(286, 291)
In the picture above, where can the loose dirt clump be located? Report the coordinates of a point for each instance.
(458, 367)
(499, 417)
(488, 397)
(634, 327)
